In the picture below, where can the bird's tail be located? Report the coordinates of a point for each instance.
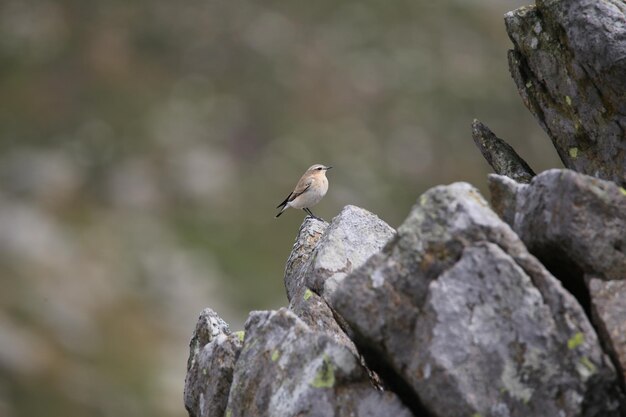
(281, 211)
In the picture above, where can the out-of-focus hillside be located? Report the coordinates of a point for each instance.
(144, 145)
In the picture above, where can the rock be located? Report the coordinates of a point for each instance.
(315, 312)
(608, 302)
(576, 225)
(576, 221)
(313, 249)
(208, 327)
(212, 357)
(500, 155)
(458, 317)
(309, 235)
(285, 369)
(352, 237)
(503, 192)
(569, 65)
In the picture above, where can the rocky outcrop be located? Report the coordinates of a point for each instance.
(286, 369)
(569, 64)
(323, 254)
(519, 310)
(453, 316)
(576, 225)
(456, 299)
(352, 237)
(295, 361)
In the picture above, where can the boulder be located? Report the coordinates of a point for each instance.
(573, 220)
(286, 369)
(458, 317)
(569, 64)
(212, 357)
(576, 225)
(351, 238)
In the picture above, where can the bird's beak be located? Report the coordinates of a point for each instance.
(327, 168)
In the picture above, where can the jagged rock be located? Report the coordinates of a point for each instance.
(212, 357)
(576, 225)
(569, 66)
(352, 237)
(500, 155)
(575, 220)
(503, 192)
(285, 369)
(306, 303)
(309, 235)
(315, 312)
(461, 319)
(608, 301)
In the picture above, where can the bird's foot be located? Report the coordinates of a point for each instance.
(315, 217)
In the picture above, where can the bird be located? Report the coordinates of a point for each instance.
(309, 190)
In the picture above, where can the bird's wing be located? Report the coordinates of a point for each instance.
(301, 187)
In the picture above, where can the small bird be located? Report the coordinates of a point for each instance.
(308, 192)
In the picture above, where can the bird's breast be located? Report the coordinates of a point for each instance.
(323, 186)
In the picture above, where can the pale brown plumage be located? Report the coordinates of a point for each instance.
(309, 190)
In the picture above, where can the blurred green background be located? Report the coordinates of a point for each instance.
(144, 146)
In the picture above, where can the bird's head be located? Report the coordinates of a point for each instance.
(318, 169)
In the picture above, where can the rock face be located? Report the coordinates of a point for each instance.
(569, 67)
(576, 225)
(457, 299)
(565, 216)
(285, 369)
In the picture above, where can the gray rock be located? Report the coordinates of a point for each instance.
(608, 301)
(353, 236)
(576, 225)
(212, 357)
(576, 220)
(309, 235)
(208, 327)
(503, 192)
(306, 303)
(460, 317)
(569, 66)
(315, 312)
(285, 369)
(500, 155)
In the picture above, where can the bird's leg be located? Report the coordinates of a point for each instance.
(310, 213)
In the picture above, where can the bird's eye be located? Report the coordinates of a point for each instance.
(319, 169)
